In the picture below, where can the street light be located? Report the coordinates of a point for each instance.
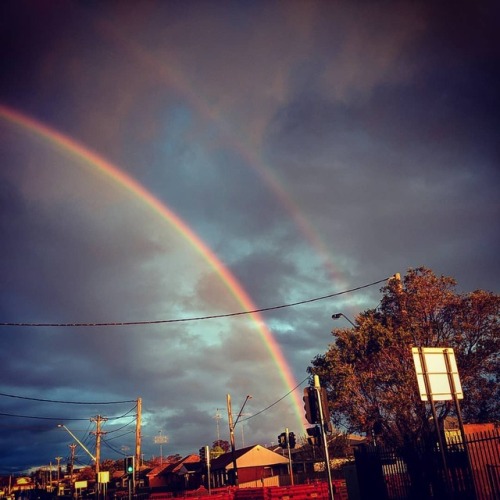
(62, 426)
(231, 432)
(342, 315)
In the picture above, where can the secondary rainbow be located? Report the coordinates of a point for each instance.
(170, 74)
(127, 182)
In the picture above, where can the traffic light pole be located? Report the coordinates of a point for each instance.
(317, 388)
(289, 455)
(209, 480)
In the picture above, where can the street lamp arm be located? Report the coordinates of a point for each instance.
(342, 315)
(77, 440)
(241, 410)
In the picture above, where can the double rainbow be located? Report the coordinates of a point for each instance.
(131, 185)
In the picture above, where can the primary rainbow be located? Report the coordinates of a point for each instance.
(130, 184)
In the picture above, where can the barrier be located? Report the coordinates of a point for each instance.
(314, 491)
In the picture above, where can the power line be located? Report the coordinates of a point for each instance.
(275, 403)
(63, 419)
(39, 418)
(67, 402)
(196, 318)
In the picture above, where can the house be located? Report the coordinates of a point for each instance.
(256, 465)
(181, 475)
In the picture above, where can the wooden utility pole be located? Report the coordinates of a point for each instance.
(231, 438)
(58, 472)
(138, 437)
(98, 420)
(72, 447)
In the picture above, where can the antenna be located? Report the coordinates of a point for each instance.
(217, 417)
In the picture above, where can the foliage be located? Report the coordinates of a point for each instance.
(338, 447)
(86, 474)
(111, 466)
(220, 443)
(369, 371)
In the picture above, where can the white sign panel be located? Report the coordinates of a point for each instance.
(433, 362)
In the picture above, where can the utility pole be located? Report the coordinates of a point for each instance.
(231, 432)
(138, 436)
(137, 444)
(72, 447)
(231, 438)
(98, 433)
(58, 472)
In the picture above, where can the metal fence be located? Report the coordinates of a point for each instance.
(470, 471)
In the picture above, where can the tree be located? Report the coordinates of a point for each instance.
(220, 443)
(369, 371)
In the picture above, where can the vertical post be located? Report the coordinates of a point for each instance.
(317, 388)
(209, 479)
(98, 419)
(231, 438)
(290, 467)
(430, 398)
(58, 473)
(72, 447)
(453, 390)
(138, 441)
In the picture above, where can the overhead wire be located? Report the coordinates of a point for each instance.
(275, 403)
(40, 418)
(151, 322)
(104, 442)
(195, 318)
(63, 419)
(68, 402)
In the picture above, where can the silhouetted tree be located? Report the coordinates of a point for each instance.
(369, 371)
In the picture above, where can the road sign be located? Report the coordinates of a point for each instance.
(439, 367)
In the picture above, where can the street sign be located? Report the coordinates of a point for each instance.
(439, 367)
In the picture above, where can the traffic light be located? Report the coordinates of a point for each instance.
(314, 434)
(324, 406)
(129, 465)
(311, 405)
(205, 455)
(282, 440)
(291, 439)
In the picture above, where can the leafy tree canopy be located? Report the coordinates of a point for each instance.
(220, 443)
(369, 371)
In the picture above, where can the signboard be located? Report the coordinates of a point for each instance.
(80, 484)
(103, 477)
(439, 367)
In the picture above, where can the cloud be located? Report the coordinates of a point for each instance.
(315, 147)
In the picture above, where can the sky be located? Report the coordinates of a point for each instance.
(180, 160)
